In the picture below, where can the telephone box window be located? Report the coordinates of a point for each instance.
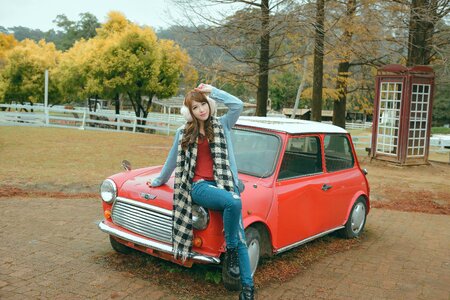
(418, 120)
(389, 117)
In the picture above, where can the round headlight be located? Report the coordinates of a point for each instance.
(200, 217)
(108, 191)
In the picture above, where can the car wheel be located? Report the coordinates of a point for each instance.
(119, 247)
(253, 239)
(356, 221)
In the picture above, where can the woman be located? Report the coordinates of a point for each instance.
(206, 174)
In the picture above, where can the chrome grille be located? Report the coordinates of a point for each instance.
(150, 221)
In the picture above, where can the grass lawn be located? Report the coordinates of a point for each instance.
(54, 158)
(58, 157)
(440, 130)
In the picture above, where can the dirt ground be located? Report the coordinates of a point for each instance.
(399, 251)
(423, 188)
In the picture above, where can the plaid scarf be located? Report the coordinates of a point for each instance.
(184, 173)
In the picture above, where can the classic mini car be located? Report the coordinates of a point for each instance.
(301, 181)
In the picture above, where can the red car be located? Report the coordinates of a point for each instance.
(301, 180)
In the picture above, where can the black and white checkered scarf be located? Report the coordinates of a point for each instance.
(184, 173)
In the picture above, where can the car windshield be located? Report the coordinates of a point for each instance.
(255, 152)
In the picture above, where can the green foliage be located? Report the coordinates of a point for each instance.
(283, 90)
(240, 89)
(215, 277)
(21, 33)
(440, 130)
(65, 38)
(441, 105)
(75, 30)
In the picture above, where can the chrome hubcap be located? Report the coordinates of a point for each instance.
(253, 253)
(358, 217)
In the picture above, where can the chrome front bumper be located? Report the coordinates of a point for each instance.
(153, 244)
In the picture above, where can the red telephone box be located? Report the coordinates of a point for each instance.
(402, 114)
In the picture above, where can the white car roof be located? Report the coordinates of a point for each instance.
(292, 126)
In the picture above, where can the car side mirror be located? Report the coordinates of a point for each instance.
(126, 165)
(364, 171)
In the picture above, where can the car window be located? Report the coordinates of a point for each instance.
(255, 152)
(302, 157)
(338, 153)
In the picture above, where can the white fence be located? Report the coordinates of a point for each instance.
(82, 118)
(348, 125)
(59, 116)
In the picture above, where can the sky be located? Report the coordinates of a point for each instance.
(39, 14)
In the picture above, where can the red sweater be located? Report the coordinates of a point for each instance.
(204, 164)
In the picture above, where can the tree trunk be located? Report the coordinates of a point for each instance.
(117, 106)
(149, 103)
(316, 104)
(135, 107)
(117, 103)
(263, 78)
(421, 28)
(339, 106)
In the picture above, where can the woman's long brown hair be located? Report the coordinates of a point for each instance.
(192, 129)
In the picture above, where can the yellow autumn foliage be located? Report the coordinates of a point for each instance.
(22, 76)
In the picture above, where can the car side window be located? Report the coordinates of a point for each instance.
(338, 153)
(301, 158)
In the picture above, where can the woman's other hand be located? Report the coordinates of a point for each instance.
(154, 182)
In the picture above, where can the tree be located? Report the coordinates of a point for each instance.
(137, 64)
(21, 33)
(316, 103)
(22, 77)
(74, 30)
(283, 89)
(124, 59)
(250, 39)
(175, 65)
(441, 106)
(75, 75)
(339, 108)
(7, 42)
(424, 15)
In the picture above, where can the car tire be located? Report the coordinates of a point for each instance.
(118, 247)
(253, 239)
(356, 221)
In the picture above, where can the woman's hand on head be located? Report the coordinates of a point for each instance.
(204, 88)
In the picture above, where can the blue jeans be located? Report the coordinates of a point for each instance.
(206, 194)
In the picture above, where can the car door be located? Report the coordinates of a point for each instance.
(301, 202)
(344, 179)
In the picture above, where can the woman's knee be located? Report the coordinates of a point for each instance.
(235, 203)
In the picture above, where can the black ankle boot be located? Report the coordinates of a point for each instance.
(247, 293)
(232, 262)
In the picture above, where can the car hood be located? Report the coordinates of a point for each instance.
(135, 187)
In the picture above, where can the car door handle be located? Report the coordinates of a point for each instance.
(326, 187)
